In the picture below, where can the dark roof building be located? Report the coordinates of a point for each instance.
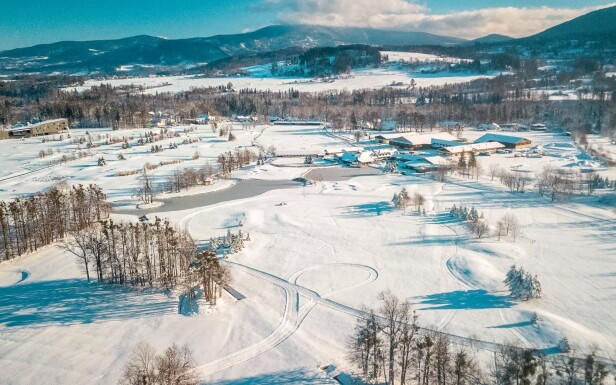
(513, 142)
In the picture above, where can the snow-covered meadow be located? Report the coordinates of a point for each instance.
(359, 79)
(317, 254)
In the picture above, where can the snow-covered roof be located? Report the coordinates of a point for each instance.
(339, 150)
(422, 139)
(30, 126)
(362, 157)
(472, 147)
(436, 160)
(500, 138)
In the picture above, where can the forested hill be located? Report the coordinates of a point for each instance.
(141, 53)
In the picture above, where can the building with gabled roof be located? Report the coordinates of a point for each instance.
(414, 141)
(513, 142)
(475, 148)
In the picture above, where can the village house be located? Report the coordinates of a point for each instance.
(511, 142)
(205, 118)
(488, 127)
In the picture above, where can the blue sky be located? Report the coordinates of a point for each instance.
(29, 22)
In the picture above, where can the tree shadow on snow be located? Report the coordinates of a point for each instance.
(295, 377)
(465, 300)
(75, 301)
(428, 240)
(513, 325)
(369, 209)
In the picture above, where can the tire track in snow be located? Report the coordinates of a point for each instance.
(446, 264)
(328, 303)
(292, 319)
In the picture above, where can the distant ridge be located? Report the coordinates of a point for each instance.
(107, 55)
(492, 38)
(599, 25)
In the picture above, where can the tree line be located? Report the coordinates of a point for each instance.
(138, 254)
(502, 99)
(27, 224)
(389, 346)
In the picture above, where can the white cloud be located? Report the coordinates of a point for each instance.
(411, 16)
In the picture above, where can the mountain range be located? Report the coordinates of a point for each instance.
(106, 56)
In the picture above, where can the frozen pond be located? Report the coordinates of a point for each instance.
(336, 174)
(250, 188)
(241, 190)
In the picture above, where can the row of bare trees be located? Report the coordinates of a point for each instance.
(139, 254)
(26, 224)
(388, 346)
(174, 366)
(189, 177)
(230, 161)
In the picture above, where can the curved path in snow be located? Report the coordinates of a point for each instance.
(293, 315)
(372, 276)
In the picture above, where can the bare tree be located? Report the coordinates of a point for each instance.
(481, 228)
(145, 190)
(141, 368)
(500, 229)
(510, 222)
(394, 314)
(78, 245)
(495, 170)
(175, 366)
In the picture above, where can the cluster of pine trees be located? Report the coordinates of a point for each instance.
(231, 242)
(207, 271)
(464, 213)
(139, 254)
(29, 223)
(469, 167)
(523, 285)
(476, 222)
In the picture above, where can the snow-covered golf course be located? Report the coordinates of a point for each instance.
(317, 253)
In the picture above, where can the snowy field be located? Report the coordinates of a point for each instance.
(416, 57)
(311, 264)
(25, 173)
(374, 78)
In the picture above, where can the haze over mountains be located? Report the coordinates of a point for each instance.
(146, 51)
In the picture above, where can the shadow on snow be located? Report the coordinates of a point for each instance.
(296, 377)
(369, 209)
(75, 301)
(465, 300)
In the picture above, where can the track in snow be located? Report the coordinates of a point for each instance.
(292, 319)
